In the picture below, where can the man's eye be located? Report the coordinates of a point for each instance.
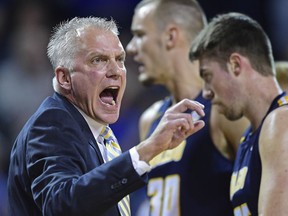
(98, 60)
(138, 35)
(121, 59)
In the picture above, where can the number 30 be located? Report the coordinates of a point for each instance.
(164, 196)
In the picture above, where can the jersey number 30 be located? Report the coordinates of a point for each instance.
(164, 196)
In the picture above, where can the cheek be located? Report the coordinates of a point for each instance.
(219, 90)
(146, 51)
(85, 84)
(223, 85)
(124, 82)
(77, 83)
(228, 92)
(150, 48)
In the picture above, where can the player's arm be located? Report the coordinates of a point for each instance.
(273, 148)
(147, 118)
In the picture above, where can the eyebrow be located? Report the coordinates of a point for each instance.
(137, 30)
(106, 54)
(122, 54)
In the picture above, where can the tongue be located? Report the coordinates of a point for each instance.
(107, 97)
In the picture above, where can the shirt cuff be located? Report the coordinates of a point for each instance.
(141, 167)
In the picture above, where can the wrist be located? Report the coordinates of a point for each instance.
(147, 151)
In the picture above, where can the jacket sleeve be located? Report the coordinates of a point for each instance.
(67, 177)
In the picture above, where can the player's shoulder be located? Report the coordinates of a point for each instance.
(277, 118)
(152, 111)
(273, 133)
(148, 117)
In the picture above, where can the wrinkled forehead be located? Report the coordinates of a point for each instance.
(100, 39)
(94, 32)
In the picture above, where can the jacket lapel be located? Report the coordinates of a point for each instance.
(83, 124)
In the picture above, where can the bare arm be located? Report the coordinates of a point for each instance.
(174, 127)
(273, 147)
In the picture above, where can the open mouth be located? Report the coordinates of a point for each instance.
(109, 95)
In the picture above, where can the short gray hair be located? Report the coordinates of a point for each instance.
(64, 39)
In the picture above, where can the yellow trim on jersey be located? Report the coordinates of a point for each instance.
(283, 100)
(169, 155)
(238, 179)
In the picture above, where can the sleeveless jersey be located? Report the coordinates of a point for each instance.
(192, 179)
(245, 181)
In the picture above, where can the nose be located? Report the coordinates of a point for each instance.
(207, 94)
(130, 48)
(115, 69)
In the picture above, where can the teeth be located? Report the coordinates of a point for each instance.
(113, 103)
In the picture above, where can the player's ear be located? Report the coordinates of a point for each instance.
(172, 34)
(234, 63)
(63, 77)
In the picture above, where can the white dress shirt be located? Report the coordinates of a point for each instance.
(141, 167)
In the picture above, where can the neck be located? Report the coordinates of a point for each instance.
(260, 99)
(186, 83)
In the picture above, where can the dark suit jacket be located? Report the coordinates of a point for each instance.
(56, 167)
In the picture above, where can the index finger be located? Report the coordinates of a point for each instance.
(188, 105)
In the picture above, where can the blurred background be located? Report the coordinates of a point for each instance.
(25, 73)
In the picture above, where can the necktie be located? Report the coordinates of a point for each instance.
(111, 151)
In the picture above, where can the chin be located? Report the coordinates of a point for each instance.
(110, 118)
(232, 116)
(107, 115)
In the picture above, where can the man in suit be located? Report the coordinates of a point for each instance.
(57, 162)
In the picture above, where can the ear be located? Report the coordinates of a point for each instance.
(234, 63)
(63, 77)
(172, 34)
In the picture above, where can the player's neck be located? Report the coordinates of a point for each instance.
(187, 84)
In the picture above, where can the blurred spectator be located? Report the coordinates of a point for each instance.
(25, 79)
(26, 68)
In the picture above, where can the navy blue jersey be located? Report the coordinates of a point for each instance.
(192, 179)
(245, 182)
